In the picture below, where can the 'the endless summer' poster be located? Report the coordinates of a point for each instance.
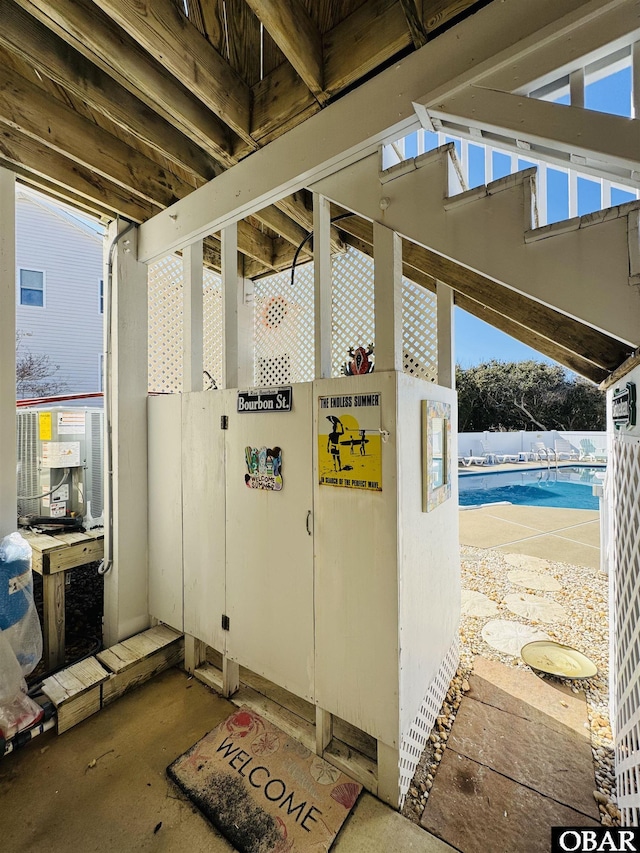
(349, 441)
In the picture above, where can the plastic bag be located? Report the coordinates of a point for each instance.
(19, 621)
(17, 710)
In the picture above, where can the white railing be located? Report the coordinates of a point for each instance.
(471, 443)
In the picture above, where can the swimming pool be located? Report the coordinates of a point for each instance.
(570, 488)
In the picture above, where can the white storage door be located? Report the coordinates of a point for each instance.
(203, 520)
(269, 548)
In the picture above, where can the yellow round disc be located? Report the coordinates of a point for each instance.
(556, 659)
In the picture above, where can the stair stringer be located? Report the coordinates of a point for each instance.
(583, 273)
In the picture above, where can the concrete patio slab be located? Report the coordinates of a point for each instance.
(477, 810)
(563, 550)
(483, 530)
(587, 534)
(543, 518)
(374, 828)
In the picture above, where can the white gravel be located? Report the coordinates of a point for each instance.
(581, 613)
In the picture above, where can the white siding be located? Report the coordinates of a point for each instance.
(69, 328)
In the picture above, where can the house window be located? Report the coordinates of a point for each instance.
(32, 288)
(101, 296)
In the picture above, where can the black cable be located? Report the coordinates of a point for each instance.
(309, 237)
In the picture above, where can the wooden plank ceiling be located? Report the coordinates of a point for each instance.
(124, 108)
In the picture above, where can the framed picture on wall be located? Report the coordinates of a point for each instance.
(436, 459)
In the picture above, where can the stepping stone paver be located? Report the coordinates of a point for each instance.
(535, 607)
(530, 579)
(509, 637)
(474, 603)
(477, 810)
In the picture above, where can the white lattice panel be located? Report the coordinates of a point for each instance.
(352, 307)
(625, 609)
(284, 328)
(415, 740)
(165, 325)
(419, 332)
(212, 331)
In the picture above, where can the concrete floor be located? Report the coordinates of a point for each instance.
(102, 785)
(55, 798)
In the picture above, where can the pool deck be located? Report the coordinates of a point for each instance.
(565, 535)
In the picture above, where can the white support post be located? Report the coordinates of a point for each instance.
(246, 295)
(576, 88)
(388, 775)
(322, 282)
(230, 677)
(387, 286)
(192, 316)
(126, 609)
(229, 240)
(324, 730)
(573, 193)
(8, 460)
(541, 186)
(635, 85)
(195, 653)
(446, 338)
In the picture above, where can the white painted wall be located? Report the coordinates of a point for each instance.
(523, 440)
(68, 328)
(429, 582)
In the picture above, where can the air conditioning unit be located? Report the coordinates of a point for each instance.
(60, 462)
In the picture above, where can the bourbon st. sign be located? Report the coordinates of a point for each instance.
(624, 406)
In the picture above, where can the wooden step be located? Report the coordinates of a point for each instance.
(76, 692)
(139, 658)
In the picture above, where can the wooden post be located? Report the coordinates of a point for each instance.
(195, 653)
(126, 583)
(388, 774)
(387, 283)
(245, 328)
(324, 730)
(635, 85)
(445, 336)
(192, 313)
(322, 283)
(54, 625)
(230, 677)
(229, 240)
(8, 461)
(576, 88)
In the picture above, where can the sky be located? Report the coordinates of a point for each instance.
(477, 341)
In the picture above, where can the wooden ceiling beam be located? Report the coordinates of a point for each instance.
(589, 344)
(290, 26)
(38, 159)
(413, 13)
(297, 210)
(104, 44)
(36, 45)
(371, 35)
(29, 109)
(531, 338)
(172, 40)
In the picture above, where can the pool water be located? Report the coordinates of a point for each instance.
(570, 488)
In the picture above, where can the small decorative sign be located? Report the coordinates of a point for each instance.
(624, 406)
(266, 400)
(264, 468)
(350, 441)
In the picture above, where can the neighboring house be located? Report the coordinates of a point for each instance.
(59, 280)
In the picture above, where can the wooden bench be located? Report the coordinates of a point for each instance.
(52, 557)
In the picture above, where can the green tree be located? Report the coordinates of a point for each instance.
(533, 395)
